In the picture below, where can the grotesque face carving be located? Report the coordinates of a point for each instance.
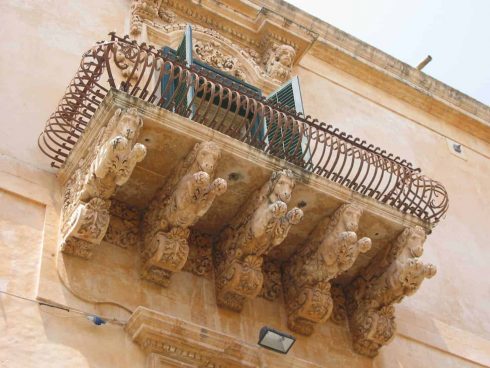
(285, 55)
(207, 156)
(415, 241)
(283, 185)
(350, 217)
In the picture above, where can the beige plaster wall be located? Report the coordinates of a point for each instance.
(446, 324)
(41, 48)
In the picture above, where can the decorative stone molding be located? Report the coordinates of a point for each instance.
(262, 225)
(390, 277)
(268, 51)
(178, 341)
(142, 10)
(87, 194)
(331, 249)
(180, 203)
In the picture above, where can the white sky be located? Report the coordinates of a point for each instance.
(456, 33)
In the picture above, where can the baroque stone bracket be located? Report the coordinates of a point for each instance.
(88, 193)
(390, 277)
(186, 196)
(331, 249)
(262, 225)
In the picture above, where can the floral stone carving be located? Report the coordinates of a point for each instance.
(263, 225)
(210, 53)
(180, 203)
(87, 195)
(332, 248)
(387, 280)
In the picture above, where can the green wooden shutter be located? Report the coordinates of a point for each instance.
(285, 142)
(183, 53)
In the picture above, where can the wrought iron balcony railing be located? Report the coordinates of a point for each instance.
(314, 146)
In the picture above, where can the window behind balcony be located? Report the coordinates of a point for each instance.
(282, 140)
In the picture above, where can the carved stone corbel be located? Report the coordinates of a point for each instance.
(87, 196)
(180, 203)
(263, 225)
(332, 248)
(386, 281)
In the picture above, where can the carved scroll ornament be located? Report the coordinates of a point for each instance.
(180, 203)
(263, 225)
(87, 195)
(331, 249)
(385, 282)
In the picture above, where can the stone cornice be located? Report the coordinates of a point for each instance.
(252, 23)
(388, 73)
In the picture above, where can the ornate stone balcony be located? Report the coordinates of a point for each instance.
(333, 225)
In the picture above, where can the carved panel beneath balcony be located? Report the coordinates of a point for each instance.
(261, 225)
(107, 166)
(186, 196)
(200, 258)
(392, 275)
(330, 250)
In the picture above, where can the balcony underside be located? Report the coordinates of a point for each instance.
(169, 137)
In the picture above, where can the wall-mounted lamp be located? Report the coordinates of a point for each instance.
(275, 340)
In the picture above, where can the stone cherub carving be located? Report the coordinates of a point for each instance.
(89, 191)
(180, 203)
(385, 281)
(279, 63)
(332, 248)
(261, 226)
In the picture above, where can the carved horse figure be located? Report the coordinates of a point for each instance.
(386, 280)
(331, 249)
(88, 192)
(116, 157)
(180, 203)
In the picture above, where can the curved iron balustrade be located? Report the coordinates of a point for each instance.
(231, 110)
